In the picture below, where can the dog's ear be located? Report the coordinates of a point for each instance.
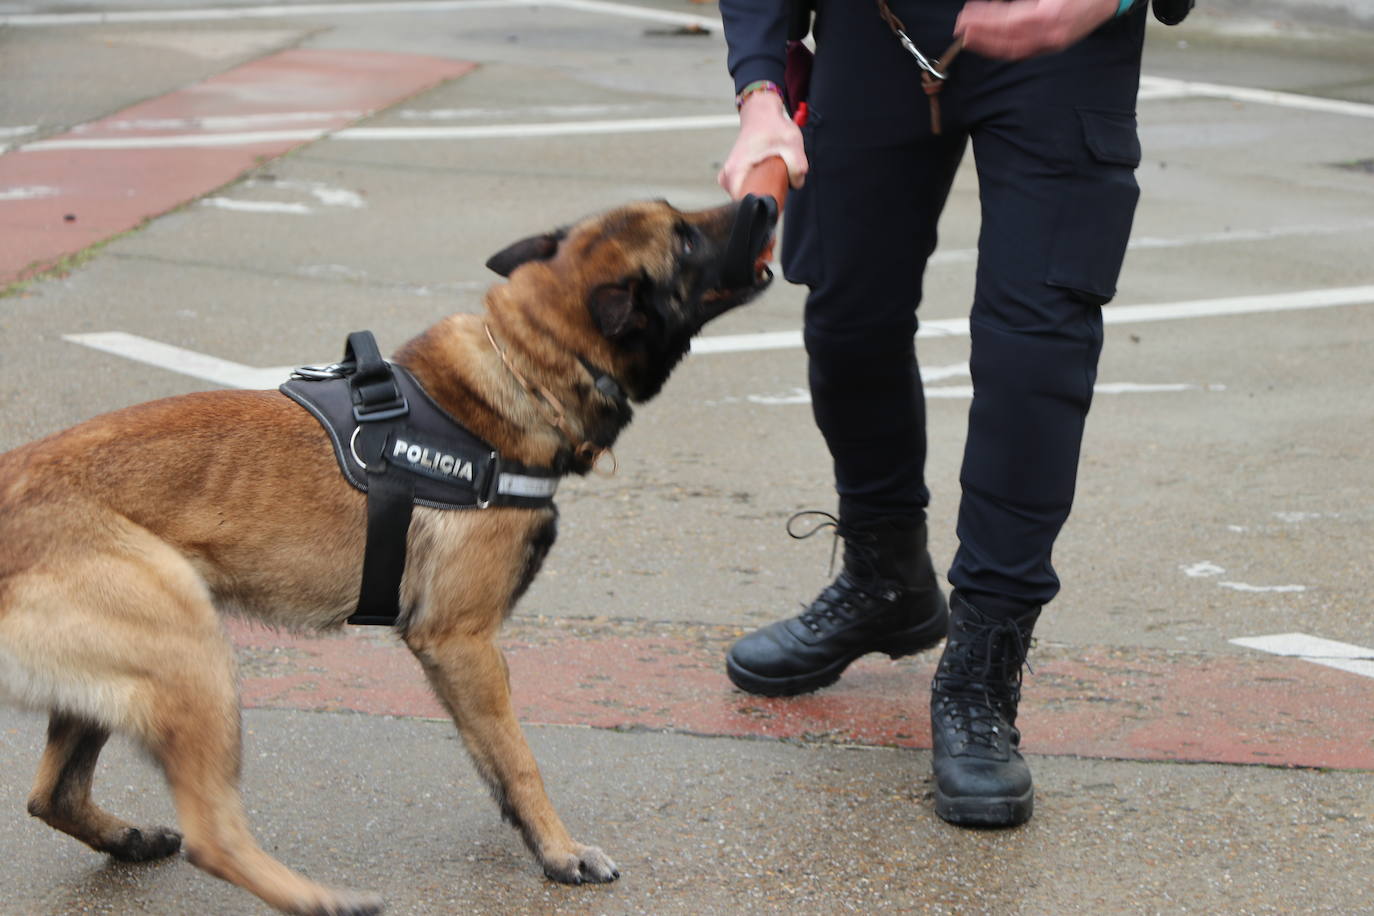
(535, 248)
(613, 307)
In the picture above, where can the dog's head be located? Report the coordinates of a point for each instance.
(628, 289)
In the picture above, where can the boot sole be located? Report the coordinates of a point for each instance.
(907, 642)
(1005, 811)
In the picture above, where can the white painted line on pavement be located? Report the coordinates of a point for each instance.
(547, 129)
(748, 343)
(173, 141)
(1328, 652)
(1151, 387)
(940, 373)
(327, 195)
(255, 206)
(1148, 243)
(1247, 235)
(1207, 569)
(213, 132)
(1111, 315)
(1240, 305)
(393, 134)
(792, 340)
(251, 12)
(187, 362)
(710, 23)
(1294, 518)
(1181, 88)
(350, 9)
(1246, 587)
(30, 192)
(519, 111)
(965, 392)
(214, 135)
(236, 375)
(10, 133)
(225, 122)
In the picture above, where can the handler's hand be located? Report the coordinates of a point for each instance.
(764, 130)
(1024, 28)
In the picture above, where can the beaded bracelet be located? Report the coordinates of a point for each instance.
(757, 86)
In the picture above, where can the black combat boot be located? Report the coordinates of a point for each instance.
(981, 779)
(885, 599)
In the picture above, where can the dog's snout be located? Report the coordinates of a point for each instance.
(752, 230)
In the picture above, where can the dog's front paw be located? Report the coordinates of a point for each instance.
(347, 903)
(582, 864)
(135, 845)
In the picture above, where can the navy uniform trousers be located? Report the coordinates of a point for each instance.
(1055, 146)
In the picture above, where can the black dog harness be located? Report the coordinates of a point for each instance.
(401, 449)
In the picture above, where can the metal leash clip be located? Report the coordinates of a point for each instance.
(322, 373)
(925, 63)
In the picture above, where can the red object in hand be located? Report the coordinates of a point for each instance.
(767, 179)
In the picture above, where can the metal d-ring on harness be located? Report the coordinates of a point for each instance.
(934, 72)
(400, 447)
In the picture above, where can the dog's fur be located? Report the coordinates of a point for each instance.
(124, 539)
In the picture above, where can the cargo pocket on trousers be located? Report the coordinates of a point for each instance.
(1098, 206)
(801, 235)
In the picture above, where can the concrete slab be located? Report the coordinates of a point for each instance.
(714, 827)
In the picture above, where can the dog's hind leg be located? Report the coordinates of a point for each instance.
(61, 796)
(127, 637)
(194, 732)
(197, 742)
(470, 677)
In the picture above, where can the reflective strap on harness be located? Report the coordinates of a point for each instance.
(525, 486)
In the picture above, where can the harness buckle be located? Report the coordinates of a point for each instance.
(388, 410)
(493, 478)
(377, 396)
(322, 373)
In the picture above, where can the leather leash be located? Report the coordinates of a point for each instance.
(933, 72)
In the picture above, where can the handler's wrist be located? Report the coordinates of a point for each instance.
(757, 87)
(762, 108)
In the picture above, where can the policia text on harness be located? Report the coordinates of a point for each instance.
(393, 442)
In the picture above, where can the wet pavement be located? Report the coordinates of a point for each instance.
(1200, 718)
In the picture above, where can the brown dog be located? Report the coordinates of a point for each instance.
(123, 540)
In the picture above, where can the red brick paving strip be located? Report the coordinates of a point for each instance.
(98, 193)
(1137, 704)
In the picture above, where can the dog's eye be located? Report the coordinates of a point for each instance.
(686, 239)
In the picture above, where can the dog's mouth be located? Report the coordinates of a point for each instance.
(744, 264)
(737, 295)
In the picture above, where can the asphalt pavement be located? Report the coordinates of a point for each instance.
(195, 197)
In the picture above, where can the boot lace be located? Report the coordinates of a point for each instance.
(836, 602)
(861, 545)
(979, 679)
